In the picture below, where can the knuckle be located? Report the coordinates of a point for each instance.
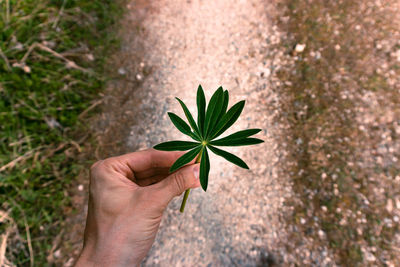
(95, 174)
(108, 162)
(95, 167)
(99, 168)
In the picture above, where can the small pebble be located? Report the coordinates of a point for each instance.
(121, 71)
(300, 48)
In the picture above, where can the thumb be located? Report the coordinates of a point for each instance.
(176, 183)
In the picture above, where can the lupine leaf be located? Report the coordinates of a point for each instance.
(176, 145)
(189, 117)
(228, 119)
(186, 158)
(182, 126)
(236, 142)
(212, 121)
(229, 157)
(241, 134)
(204, 169)
(213, 110)
(224, 105)
(201, 109)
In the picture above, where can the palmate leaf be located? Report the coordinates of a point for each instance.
(213, 111)
(236, 142)
(212, 121)
(204, 169)
(229, 157)
(189, 117)
(201, 109)
(176, 146)
(185, 159)
(228, 119)
(182, 126)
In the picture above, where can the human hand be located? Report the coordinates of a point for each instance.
(127, 197)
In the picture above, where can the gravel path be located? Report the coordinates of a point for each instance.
(238, 220)
(168, 48)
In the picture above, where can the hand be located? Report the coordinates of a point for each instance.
(127, 197)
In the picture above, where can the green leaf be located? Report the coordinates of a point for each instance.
(176, 146)
(213, 110)
(201, 109)
(228, 119)
(204, 169)
(179, 123)
(229, 157)
(186, 158)
(182, 126)
(189, 117)
(224, 105)
(241, 134)
(237, 142)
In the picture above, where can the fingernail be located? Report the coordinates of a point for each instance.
(196, 171)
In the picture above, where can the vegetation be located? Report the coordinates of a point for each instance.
(51, 66)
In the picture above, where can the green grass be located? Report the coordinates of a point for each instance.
(42, 94)
(323, 132)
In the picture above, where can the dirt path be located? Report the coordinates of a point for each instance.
(253, 218)
(237, 222)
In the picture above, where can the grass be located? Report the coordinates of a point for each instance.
(51, 72)
(329, 171)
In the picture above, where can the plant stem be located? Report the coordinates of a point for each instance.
(185, 197)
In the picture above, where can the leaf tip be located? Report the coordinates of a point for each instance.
(156, 146)
(204, 188)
